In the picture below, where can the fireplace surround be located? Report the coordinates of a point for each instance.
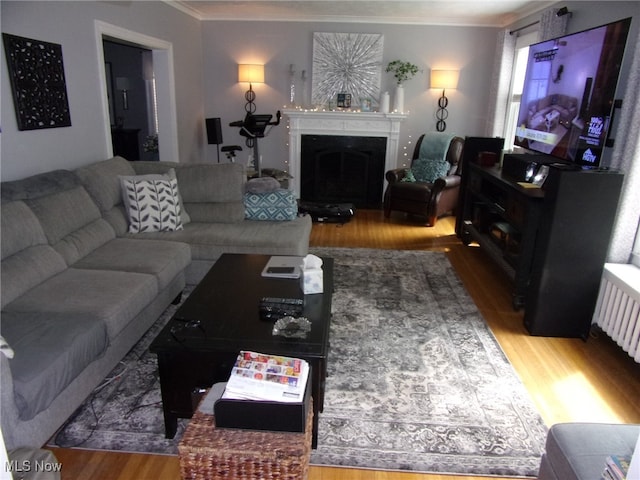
(385, 126)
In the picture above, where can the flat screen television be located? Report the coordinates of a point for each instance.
(568, 94)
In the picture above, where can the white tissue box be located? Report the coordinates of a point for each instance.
(312, 280)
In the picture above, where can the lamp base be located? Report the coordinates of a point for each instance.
(442, 113)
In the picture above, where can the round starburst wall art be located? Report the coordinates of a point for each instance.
(346, 63)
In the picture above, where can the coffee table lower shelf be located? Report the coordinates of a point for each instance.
(207, 452)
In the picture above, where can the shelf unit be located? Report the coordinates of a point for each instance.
(502, 217)
(551, 241)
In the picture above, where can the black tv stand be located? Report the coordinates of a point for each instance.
(551, 241)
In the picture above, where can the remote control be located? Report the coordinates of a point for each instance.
(286, 301)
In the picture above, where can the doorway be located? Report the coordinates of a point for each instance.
(132, 100)
(163, 120)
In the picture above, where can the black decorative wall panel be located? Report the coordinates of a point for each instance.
(36, 72)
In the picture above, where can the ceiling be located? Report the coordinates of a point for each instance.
(490, 13)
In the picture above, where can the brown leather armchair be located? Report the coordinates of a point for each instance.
(429, 200)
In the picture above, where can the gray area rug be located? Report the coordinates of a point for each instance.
(417, 381)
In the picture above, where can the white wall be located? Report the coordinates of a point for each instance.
(206, 55)
(71, 24)
(279, 44)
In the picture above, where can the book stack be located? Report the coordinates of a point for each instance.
(265, 392)
(272, 378)
(616, 468)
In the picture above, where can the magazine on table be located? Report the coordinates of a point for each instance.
(257, 376)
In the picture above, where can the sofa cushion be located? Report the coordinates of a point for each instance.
(152, 205)
(27, 259)
(203, 183)
(38, 185)
(210, 192)
(160, 258)
(102, 182)
(113, 297)
(72, 222)
(30, 267)
(577, 451)
(51, 350)
(279, 205)
(221, 212)
(208, 241)
(19, 228)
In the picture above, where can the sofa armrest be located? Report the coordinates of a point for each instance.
(445, 183)
(8, 411)
(395, 175)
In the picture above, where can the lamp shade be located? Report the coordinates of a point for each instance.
(250, 73)
(445, 79)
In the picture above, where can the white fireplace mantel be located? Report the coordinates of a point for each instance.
(345, 123)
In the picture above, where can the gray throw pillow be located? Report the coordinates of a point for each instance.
(262, 185)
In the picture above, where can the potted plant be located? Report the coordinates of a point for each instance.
(402, 71)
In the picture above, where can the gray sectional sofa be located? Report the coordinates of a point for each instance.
(79, 290)
(578, 451)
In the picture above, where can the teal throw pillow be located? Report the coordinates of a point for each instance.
(428, 170)
(408, 176)
(279, 205)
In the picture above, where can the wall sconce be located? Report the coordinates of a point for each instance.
(122, 84)
(250, 74)
(443, 79)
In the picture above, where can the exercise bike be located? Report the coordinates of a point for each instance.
(254, 127)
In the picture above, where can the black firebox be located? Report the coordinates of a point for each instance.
(342, 169)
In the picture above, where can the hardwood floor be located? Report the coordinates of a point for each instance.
(569, 380)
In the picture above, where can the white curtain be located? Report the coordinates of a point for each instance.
(500, 83)
(551, 25)
(626, 158)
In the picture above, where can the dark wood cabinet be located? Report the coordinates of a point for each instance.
(551, 241)
(125, 143)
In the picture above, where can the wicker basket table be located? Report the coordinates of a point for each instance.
(207, 452)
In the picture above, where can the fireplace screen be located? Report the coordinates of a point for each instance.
(340, 169)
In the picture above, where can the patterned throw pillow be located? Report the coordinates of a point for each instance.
(428, 170)
(153, 205)
(170, 175)
(280, 205)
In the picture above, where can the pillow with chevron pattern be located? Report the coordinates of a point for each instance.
(152, 205)
(279, 205)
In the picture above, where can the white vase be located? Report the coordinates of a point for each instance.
(398, 101)
(384, 102)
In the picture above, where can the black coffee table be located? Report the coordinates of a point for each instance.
(199, 345)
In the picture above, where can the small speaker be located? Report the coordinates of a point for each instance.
(214, 131)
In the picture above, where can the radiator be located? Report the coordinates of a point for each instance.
(617, 310)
